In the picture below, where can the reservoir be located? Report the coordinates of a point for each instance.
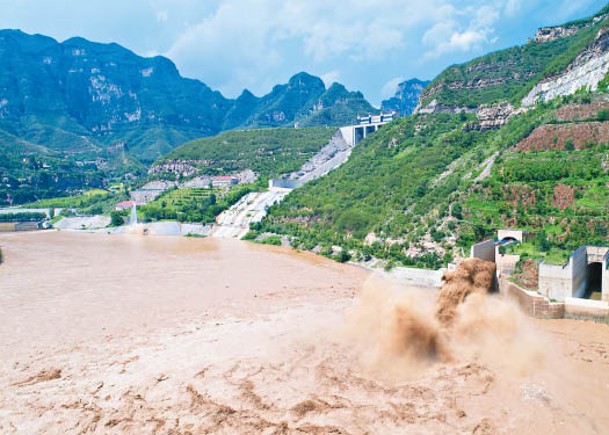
(57, 288)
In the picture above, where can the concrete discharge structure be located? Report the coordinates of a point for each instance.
(586, 272)
(235, 222)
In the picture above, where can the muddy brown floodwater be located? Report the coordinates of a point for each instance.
(131, 334)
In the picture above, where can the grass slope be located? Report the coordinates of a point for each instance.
(269, 152)
(415, 181)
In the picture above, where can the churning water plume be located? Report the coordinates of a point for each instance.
(403, 330)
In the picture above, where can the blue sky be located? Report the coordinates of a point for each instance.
(235, 44)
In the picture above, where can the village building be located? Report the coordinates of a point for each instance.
(224, 181)
(124, 205)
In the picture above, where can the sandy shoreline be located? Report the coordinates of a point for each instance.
(273, 356)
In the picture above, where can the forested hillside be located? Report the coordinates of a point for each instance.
(76, 114)
(508, 75)
(268, 152)
(425, 188)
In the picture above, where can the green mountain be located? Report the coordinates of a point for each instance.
(517, 138)
(406, 97)
(84, 97)
(304, 100)
(79, 101)
(509, 75)
(269, 152)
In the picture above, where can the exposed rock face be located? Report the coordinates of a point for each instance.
(547, 34)
(490, 116)
(81, 96)
(185, 168)
(587, 70)
(435, 107)
(493, 116)
(406, 97)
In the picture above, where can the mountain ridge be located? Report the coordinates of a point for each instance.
(105, 92)
(406, 97)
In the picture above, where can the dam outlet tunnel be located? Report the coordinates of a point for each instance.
(594, 281)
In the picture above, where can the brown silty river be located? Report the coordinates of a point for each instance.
(139, 334)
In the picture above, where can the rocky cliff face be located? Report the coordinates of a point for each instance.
(493, 116)
(304, 100)
(586, 71)
(559, 61)
(406, 97)
(87, 97)
(548, 34)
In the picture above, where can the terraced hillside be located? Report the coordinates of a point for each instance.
(554, 183)
(424, 188)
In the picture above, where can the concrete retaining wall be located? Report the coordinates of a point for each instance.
(556, 282)
(606, 277)
(586, 307)
(484, 251)
(532, 303)
(579, 261)
(284, 184)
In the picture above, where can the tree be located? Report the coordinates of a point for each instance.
(542, 242)
(116, 219)
(457, 211)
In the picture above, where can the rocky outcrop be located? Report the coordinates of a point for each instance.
(435, 107)
(493, 116)
(586, 71)
(406, 97)
(547, 34)
(184, 168)
(490, 116)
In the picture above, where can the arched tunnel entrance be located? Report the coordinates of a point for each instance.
(594, 279)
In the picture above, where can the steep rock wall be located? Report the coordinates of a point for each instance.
(587, 70)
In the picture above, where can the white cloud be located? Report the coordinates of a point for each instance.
(330, 77)
(244, 40)
(454, 35)
(233, 44)
(388, 90)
